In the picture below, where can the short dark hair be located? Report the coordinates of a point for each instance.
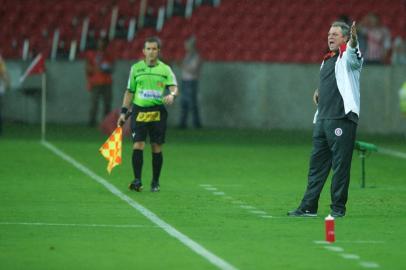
(345, 29)
(153, 40)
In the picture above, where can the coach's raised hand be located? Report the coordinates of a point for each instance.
(353, 35)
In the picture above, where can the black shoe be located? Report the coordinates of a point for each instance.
(135, 185)
(155, 187)
(302, 213)
(337, 214)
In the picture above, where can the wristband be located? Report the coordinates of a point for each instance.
(124, 110)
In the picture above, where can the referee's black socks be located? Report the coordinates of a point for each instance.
(157, 161)
(138, 160)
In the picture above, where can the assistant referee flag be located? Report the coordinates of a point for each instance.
(111, 149)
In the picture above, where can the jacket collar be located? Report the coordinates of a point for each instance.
(329, 55)
(341, 50)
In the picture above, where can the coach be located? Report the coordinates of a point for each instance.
(336, 119)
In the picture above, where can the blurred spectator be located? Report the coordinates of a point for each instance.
(103, 34)
(399, 51)
(121, 28)
(150, 18)
(15, 50)
(99, 80)
(62, 52)
(210, 2)
(179, 8)
(4, 83)
(44, 33)
(190, 77)
(91, 40)
(75, 22)
(378, 39)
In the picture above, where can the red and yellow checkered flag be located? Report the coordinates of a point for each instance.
(111, 149)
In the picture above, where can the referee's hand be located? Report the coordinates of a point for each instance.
(168, 99)
(121, 120)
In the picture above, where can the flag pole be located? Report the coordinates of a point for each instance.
(43, 106)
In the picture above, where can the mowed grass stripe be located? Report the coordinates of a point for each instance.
(197, 248)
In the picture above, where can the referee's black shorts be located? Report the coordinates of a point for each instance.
(149, 121)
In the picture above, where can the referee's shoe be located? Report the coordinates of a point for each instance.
(136, 185)
(155, 186)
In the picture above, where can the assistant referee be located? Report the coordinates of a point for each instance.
(146, 91)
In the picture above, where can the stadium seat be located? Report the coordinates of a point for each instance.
(264, 27)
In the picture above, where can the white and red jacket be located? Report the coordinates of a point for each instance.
(348, 70)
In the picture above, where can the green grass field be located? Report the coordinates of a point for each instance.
(227, 190)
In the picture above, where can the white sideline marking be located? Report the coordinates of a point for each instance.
(350, 256)
(351, 242)
(243, 206)
(369, 264)
(347, 255)
(259, 212)
(77, 225)
(194, 246)
(228, 185)
(392, 153)
(334, 248)
(320, 242)
(362, 242)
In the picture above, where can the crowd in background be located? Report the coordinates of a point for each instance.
(376, 43)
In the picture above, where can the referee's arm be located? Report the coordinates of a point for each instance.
(173, 93)
(128, 97)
